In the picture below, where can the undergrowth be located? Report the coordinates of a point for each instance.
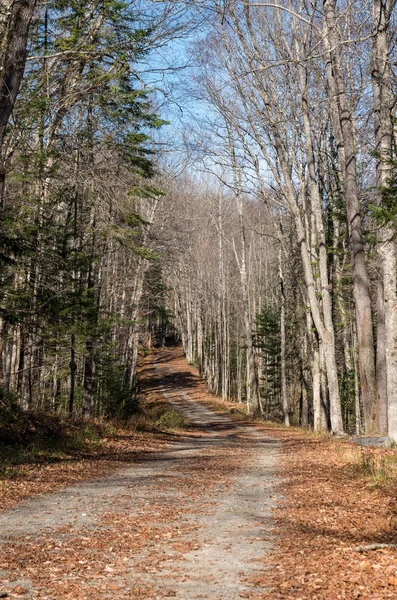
(28, 437)
(377, 465)
(381, 468)
(158, 417)
(223, 407)
(34, 437)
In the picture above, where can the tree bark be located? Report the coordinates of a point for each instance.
(381, 369)
(252, 378)
(284, 397)
(346, 146)
(387, 311)
(14, 58)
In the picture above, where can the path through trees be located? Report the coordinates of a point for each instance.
(192, 521)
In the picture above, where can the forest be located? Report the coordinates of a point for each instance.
(216, 173)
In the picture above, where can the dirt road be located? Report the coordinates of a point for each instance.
(193, 521)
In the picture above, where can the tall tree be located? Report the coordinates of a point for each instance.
(342, 116)
(15, 20)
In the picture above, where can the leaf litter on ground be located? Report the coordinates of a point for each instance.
(332, 503)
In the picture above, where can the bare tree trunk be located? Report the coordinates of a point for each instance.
(89, 381)
(316, 376)
(318, 232)
(357, 403)
(222, 306)
(361, 290)
(325, 403)
(89, 364)
(387, 314)
(381, 370)
(304, 402)
(304, 405)
(200, 338)
(73, 368)
(253, 400)
(13, 57)
(132, 345)
(284, 397)
(252, 378)
(239, 371)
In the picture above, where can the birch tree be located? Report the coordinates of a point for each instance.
(387, 299)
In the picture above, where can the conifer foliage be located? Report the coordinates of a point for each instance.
(77, 204)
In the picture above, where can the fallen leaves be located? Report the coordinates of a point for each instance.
(136, 551)
(37, 479)
(328, 509)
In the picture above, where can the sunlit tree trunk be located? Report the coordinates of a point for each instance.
(284, 397)
(343, 125)
(387, 310)
(252, 378)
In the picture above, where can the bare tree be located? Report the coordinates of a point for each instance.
(341, 113)
(387, 293)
